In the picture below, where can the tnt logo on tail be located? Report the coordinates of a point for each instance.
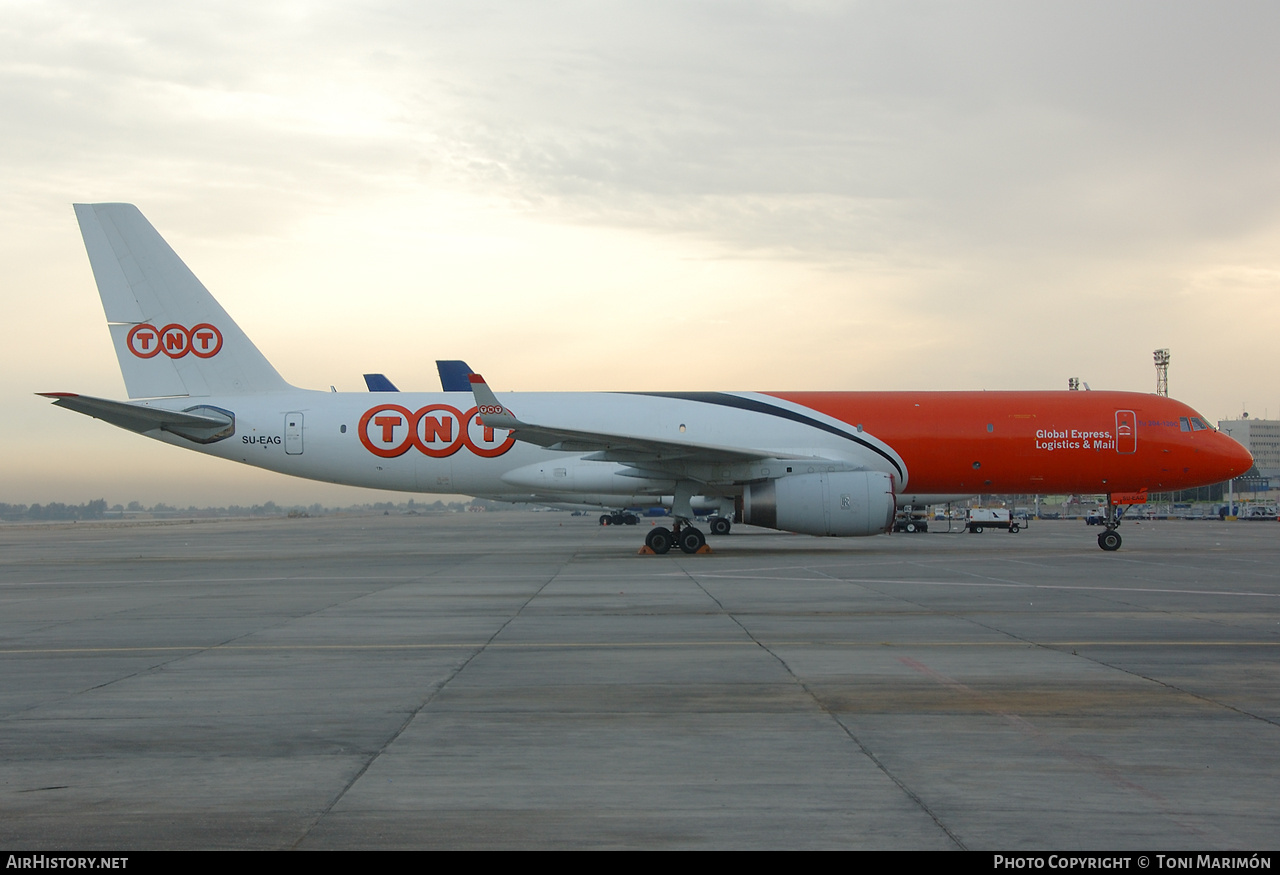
(174, 340)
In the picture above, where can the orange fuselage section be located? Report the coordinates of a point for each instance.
(1039, 442)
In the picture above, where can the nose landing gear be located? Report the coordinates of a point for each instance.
(1110, 539)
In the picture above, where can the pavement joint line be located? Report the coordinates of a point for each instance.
(624, 645)
(1177, 689)
(834, 718)
(1097, 765)
(664, 743)
(867, 752)
(431, 697)
(1094, 763)
(299, 578)
(1056, 648)
(179, 655)
(1010, 718)
(1004, 584)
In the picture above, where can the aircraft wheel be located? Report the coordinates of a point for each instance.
(630, 519)
(691, 540)
(720, 526)
(604, 519)
(911, 527)
(1109, 540)
(659, 540)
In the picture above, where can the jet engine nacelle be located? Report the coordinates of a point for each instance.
(838, 503)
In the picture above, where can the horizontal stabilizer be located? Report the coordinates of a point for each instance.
(203, 424)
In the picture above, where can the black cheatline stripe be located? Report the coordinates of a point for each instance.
(761, 407)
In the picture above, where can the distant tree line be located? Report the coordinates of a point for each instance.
(97, 509)
(91, 510)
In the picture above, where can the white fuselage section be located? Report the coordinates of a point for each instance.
(434, 442)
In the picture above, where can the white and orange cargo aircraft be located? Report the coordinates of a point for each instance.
(821, 463)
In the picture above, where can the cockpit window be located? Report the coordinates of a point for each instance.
(1184, 423)
(1198, 424)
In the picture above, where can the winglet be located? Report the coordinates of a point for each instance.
(492, 414)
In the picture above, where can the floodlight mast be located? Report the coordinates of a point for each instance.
(1162, 372)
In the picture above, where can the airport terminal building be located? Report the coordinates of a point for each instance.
(1262, 438)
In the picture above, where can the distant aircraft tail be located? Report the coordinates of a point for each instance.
(379, 383)
(454, 375)
(171, 336)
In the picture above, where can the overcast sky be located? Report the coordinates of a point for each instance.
(595, 195)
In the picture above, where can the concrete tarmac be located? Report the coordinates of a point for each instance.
(524, 680)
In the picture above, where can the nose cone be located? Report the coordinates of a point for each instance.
(1231, 459)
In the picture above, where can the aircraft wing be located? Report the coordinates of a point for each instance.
(609, 447)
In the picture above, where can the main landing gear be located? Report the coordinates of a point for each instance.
(682, 534)
(1110, 539)
(618, 518)
(686, 537)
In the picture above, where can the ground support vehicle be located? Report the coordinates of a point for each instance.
(911, 519)
(981, 518)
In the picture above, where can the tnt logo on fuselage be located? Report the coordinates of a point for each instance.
(174, 340)
(437, 430)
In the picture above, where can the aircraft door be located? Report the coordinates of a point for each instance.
(1126, 432)
(293, 434)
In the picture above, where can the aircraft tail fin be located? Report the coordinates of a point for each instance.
(171, 337)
